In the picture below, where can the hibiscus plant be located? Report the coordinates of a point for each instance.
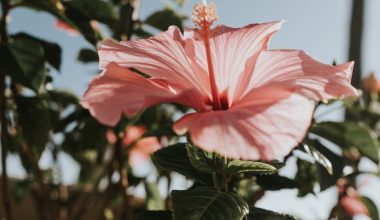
(212, 105)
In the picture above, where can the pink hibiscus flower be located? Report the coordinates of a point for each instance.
(70, 30)
(250, 102)
(61, 25)
(139, 148)
(352, 204)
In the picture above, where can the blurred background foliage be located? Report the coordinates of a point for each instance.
(35, 116)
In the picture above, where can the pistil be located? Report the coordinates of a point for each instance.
(214, 88)
(204, 16)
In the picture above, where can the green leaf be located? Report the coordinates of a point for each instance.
(372, 208)
(163, 131)
(248, 190)
(162, 20)
(210, 162)
(348, 135)
(73, 15)
(62, 98)
(21, 189)
(88, 55)
(52, 51)
(86, 141)
(99, 10)
(153, 198)
(24, 61)
(306, 176)
(79, 20)
(240, 166)
(262, 214)
(332, 131)
(364, 139)
(34, 121)
(154, 215)
(206, 204)
(201, 160)
(327, 180)
(53, 7)
(175, 158)
(275, 182)
(277, 164)
(319, 158)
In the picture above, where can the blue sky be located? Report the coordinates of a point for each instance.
(319, 27)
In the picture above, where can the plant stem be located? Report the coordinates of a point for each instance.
(225, 177)
(4, 151)
(123, 182)
(356, 36)
(48, 211)
(4, 125)
(168, 200)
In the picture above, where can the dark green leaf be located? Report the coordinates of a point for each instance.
(153, 198)
(319, 158)
(140, 32)
(132, 179)
(24, 61)
(364, 139)
(277, 164)
(52, 51)
(88, 55)
(165, 18)
(69, 13)
(262, 214)
(372, 208)
(154, 215)
(21, 189)
(63, 98)
(307, 177)
(210, 162)
(248, 190)
(200, 160)
(53, 7)
(175, 158)
(87, 141)
(207, 204)
(163, 131)
(348, 135)
(275, 182)
(34, 121)
(80, 21)
(332, 131)
(99, 10)
(327, 180)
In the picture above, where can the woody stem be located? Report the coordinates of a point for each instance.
(6, 200)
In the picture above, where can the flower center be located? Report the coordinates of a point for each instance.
(204, 16)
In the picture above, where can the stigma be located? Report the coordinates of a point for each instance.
(204, 15)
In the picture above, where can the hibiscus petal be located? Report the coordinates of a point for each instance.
(161, 56)
(295, 70)
(118, 91)
(231, 49)
(266, 129)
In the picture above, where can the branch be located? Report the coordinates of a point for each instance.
(4, 125)
(356, 35)
(45, 195)
(126, 213)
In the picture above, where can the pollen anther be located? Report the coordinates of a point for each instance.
(204, 15)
